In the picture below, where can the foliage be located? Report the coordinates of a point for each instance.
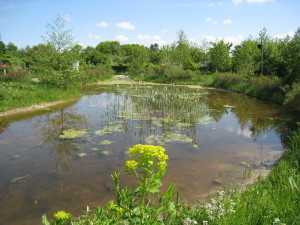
(244, 58)
(219, 57)
(292, 100)
(57, 36)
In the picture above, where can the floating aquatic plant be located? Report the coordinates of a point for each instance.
(105, 142)
(72, 133)
(82, 154)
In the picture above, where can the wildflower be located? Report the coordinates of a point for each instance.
(62, 216)
(221, 193)
(189, 221)
(131, 165)
(205, 222)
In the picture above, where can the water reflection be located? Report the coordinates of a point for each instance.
(207, 134)
(54, 125)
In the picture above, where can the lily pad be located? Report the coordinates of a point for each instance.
(106, 142)
(72, 133)
(82, 154)
(105, 152)
(102, 132)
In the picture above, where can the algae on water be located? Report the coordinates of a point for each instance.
(72, 133)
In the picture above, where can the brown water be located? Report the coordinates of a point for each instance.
(207, 134)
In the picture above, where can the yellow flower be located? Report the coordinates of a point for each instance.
(131, 164)
(62, 216)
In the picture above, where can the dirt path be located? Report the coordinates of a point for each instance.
(32, 108)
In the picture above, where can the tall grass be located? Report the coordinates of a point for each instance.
(14, 94)
(264, 87)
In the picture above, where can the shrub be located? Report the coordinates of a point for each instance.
(16, 72)
(292, 100)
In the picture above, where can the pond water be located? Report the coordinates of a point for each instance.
(62, 158)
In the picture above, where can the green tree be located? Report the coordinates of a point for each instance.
(58, 36)
(109, 47)
(245, 56)
(41, 57)
(219, 56)
(95, 57)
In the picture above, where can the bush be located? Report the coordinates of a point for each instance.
(99, 72)
(16, 73)
(292, 100)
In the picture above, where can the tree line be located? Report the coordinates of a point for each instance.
(54, 58)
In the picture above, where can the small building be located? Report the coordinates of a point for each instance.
(4, 65)
(76, 66)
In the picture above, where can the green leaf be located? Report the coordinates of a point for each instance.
(45, 221)
(153, 189)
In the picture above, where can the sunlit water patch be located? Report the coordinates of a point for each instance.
(63, 159)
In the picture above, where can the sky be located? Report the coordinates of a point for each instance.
(23, 22)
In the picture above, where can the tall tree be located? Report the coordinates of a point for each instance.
(219, 57)
(58, 36)
(245, 56)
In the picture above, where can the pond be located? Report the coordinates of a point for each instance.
(61, 158)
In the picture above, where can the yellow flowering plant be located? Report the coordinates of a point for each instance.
(145, 203)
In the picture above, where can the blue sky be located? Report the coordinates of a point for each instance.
(23, 22)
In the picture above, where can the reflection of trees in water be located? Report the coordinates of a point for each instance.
(187, 105)
(257, 116)
(55, 124)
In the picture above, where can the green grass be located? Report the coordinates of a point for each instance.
(14, 94)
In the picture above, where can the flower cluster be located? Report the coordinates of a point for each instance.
(131, 165)
(188, 221)
(62, 216)
(146, 155)
(218, 208)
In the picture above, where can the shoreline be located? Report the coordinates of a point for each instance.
(32, 108)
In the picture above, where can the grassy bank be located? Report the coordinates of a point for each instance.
(269, 88)
(15, 94)
(19, 88)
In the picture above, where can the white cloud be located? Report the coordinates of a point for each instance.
(211, 4)
(229, 21)
(121, 38)
(91, 36)
(102, 24)
(157, 37)
(208, 19)
(143, 37)
(164, 31)
(232, 39)
(126, 25)
(220, 3)
(147, 39)
(236, 1)
(260, 1)
(67, 18)
(161, 42)
(291, 34)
